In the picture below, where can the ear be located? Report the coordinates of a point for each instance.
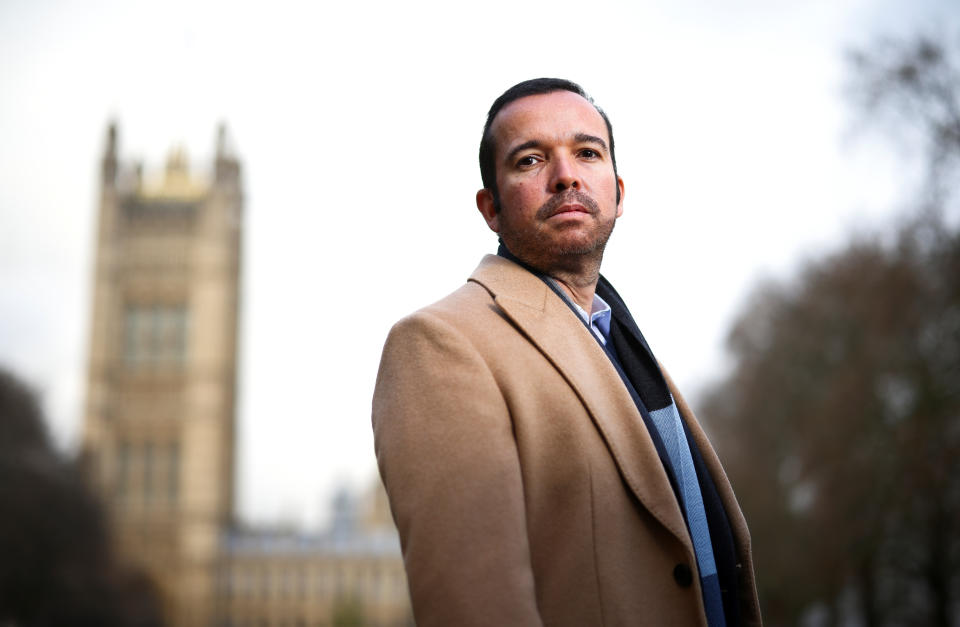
(488, 209)
(620, 204)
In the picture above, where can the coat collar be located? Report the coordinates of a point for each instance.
(556, 332)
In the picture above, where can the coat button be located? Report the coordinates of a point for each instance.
(682, 575)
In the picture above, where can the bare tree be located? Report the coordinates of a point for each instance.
(912, 88)
(840, 421)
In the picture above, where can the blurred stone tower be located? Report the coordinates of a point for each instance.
(159, 425)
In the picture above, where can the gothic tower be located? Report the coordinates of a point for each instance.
(160, 410)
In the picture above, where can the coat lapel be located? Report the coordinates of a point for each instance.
(554, 330)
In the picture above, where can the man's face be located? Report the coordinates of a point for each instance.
(558, 191)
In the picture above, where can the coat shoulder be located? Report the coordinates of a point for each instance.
(470, 305)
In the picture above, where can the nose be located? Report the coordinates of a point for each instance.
(564, 175)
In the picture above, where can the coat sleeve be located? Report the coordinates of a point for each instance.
(448, 458)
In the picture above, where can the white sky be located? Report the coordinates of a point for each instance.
(358, 124)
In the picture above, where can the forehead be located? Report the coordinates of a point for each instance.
(557, 116)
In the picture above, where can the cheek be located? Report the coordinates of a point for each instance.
(521, 194)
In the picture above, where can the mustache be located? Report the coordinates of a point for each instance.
(568, 196)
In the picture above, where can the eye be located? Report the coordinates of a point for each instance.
(526, 162)
(589, 153)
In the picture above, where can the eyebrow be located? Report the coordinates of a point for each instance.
(583, 138)
(580, 138)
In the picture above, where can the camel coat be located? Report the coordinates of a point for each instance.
(525, 486)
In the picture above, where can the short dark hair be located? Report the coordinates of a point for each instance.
(532, 87)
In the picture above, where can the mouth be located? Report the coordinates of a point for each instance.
(570, 203)
(568, 209)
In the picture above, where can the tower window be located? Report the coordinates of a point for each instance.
(148, 472)
(173, 473)
(155, 335)
(123, 470)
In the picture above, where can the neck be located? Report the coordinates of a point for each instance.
(576, 274)
(579, 288)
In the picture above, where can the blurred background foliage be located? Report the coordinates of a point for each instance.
(839, 422)
(57, 563)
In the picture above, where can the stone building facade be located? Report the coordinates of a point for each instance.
(352, 574)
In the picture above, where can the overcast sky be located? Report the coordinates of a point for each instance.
(358, 124)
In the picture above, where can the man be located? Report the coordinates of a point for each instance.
(541, 469)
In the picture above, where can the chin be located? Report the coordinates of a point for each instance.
(580, 244)
(584, 248)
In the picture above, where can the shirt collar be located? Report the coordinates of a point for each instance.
(599, 315)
